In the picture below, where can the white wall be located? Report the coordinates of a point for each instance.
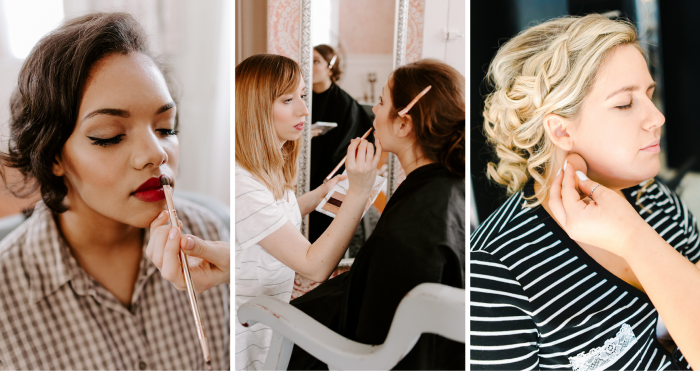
(354, 79)
(440, 17)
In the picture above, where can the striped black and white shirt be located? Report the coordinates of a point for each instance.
(538, 301)
(259, 214)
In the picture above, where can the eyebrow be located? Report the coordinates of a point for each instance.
(629, 88)
(123, 113)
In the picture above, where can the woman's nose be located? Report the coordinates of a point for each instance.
(148, 151)
(303, 110)
(655, 119)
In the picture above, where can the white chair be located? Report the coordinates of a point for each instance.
(428, 308)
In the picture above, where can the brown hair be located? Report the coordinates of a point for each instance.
(438, 117)
(327, 52)
(260, 80)
(44, 105)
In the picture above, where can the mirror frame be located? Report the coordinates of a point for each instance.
(306, 63)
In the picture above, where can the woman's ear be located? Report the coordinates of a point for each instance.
(404, 126)
(559, 131)
(57, 168)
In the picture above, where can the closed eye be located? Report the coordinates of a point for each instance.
(628, 106)
(107, 142)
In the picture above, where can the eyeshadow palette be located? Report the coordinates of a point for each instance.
(334, 199)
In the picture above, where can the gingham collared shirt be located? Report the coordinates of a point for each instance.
(53, 315)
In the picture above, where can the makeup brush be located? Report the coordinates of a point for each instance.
(168, 190)
(344, 158)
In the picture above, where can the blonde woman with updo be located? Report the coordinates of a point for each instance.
(540, 299)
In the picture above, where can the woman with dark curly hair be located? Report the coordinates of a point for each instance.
(93, 127)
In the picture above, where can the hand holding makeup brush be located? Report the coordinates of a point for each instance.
(362, 168)
(209, 261)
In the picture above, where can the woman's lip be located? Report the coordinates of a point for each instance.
(151, 184)
(654, 148)
(151, 195)
(299, 126)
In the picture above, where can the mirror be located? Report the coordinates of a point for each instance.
(347, 53)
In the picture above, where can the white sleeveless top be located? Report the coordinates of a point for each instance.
(258, 215)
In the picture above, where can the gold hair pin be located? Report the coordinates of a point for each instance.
(404, 111)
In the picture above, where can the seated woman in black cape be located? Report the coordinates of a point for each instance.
(420, 235)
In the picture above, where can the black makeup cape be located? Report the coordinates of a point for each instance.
(327, 150)
(419, 238)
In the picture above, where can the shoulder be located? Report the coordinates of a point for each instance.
(200, 221)
(25, 252)
(248, 185)
(511, 222)
(664, 211)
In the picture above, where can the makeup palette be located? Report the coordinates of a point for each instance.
(334, 199)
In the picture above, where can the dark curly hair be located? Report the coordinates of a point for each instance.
(44, 105)
(438, 117)
(327, 52)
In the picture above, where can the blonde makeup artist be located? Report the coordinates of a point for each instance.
(93, 127)
(270, 113)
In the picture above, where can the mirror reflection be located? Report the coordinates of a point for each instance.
(352, 58)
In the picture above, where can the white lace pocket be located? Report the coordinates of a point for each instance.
(603, 357)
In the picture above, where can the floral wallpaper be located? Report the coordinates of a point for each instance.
(283, 23)
(283, 29)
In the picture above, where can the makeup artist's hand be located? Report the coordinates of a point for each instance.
(608, 222)
(327, 186)
(362, 169)
(164, 248)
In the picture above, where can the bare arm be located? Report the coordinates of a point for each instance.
(672, 283)
(308, 201)
(316, 261)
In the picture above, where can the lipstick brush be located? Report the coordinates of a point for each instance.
(344, 158)
(168, 190)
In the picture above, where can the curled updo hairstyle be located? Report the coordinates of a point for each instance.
(44, 105)
(327, 52)
(438, 117)
(548, 68)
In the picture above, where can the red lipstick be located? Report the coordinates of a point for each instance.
(299, 126)
(150, 191)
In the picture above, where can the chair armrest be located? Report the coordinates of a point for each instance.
(306, 332)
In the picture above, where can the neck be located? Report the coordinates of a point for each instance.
(320, 87)
(410, 159)
(92, 233)
(558, 164)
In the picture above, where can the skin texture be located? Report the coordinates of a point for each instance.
(322, 74)
(396, 133)
(289, 110)
(613, 126)
(104, 220)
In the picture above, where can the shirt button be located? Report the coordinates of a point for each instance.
(142, 365)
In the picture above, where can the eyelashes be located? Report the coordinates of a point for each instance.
(628, 106)
(108, 142)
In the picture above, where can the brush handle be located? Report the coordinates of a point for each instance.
(188, 278)
(345, 158)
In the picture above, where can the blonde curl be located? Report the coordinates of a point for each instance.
(548, 68)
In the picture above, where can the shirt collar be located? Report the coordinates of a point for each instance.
(50, 263)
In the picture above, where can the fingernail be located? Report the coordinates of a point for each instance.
(173, 233)
(581, 176)
(190, 243)
(565, 162)
(558, 172)
(162, 214)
